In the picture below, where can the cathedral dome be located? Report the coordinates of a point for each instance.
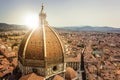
(70, 73)
(57, 77)
(42, 46)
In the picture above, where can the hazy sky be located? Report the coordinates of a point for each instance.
(64, 12)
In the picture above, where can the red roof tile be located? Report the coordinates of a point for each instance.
(57, 77)
(31, 76)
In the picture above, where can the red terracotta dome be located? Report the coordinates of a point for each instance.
(42, 46)
(57, 77)
(70, 73)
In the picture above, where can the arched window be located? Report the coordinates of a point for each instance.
(34, 70)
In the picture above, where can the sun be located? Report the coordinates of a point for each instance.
(31, 21)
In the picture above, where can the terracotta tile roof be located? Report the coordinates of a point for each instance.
(75, 59)
(118, 71)
(31, 76)
(57, 77)
(10, 54)
(92, 68)
(1, 56)
(15, 62)
(2, 74)
(70, 73)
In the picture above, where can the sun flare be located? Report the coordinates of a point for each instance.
(32, 21)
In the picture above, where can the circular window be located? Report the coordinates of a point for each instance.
(54, 68)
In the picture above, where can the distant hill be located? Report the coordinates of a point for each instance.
(90, 28)
(6, 27)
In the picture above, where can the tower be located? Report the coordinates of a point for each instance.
(41, 51)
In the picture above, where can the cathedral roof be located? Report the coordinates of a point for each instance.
(31, 76)
(41, 45)
(57, 77)
(70, 73)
